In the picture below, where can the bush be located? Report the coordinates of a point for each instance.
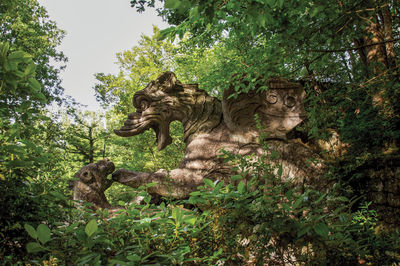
(263, 221)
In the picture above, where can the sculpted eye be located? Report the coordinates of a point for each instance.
(144, 105)
(290, 101)
(272, 98)
(85, 177)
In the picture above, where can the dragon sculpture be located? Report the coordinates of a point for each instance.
(210, 125)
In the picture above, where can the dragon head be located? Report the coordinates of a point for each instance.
(157, 106)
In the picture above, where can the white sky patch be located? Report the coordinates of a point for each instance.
(96, 31)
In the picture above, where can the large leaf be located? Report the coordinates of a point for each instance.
(43, 233)
(33, 247)
(34, 84)
(241, 187)
(31, 231)
(208, 182)
(17, 55)
(190, 219)
(321, 229)
(30, 69)
(175, 213)
(91, 228)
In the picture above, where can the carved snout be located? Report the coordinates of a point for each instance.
(133, 126)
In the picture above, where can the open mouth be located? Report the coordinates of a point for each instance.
(106, 166)
(136, 124)
(133, 126)
(110, 167)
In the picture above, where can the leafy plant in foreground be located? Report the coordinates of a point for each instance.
(258, 218)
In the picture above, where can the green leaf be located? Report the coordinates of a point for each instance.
(194, 12)
(117, 262)
(208, 182)
(195, 193)
(241, 187)
(274, 155)
(298, 202)
(271, 3)
(25, 105)
(190, 220)
(4, 47)
(31, 231)
(319, 199)
(321, 229)
(343, 198)
(236, 177)
(153, 184)
(34, 84)
(175, 213)
(315, 11)
(58, 195)
(173, 4)
(133, 257)
(303, 231)
(30, 69)
(91, 228)
(280, 171)
(43, 233)
(33, 247)
(16, 55)
(261, 19)
(168, 33)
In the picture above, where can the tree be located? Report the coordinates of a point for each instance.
(19, 89)
(28, 82)
(344, 51)
(138, 66)
(83, 136)
(25, 25)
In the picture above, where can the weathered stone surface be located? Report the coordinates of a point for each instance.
(92, 183)
(211, 125)
(382, 186)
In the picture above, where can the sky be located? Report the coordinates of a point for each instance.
(96, 31)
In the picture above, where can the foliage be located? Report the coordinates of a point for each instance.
(27, 84)
(345, 52)
(138, 66)
(84, 136)
(25, 25)
(19, 89)
(263, 221)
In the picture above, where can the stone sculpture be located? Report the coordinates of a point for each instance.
(92, 182)
(211, 125)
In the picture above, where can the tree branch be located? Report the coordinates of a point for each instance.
(353, 48)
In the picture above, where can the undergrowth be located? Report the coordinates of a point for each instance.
(260, 220)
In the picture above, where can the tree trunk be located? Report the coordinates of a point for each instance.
(91, 144)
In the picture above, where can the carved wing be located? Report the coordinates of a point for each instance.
(280, 108)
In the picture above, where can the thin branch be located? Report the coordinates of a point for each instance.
(354, 48)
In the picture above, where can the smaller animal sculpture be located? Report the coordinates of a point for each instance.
(92, 182)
